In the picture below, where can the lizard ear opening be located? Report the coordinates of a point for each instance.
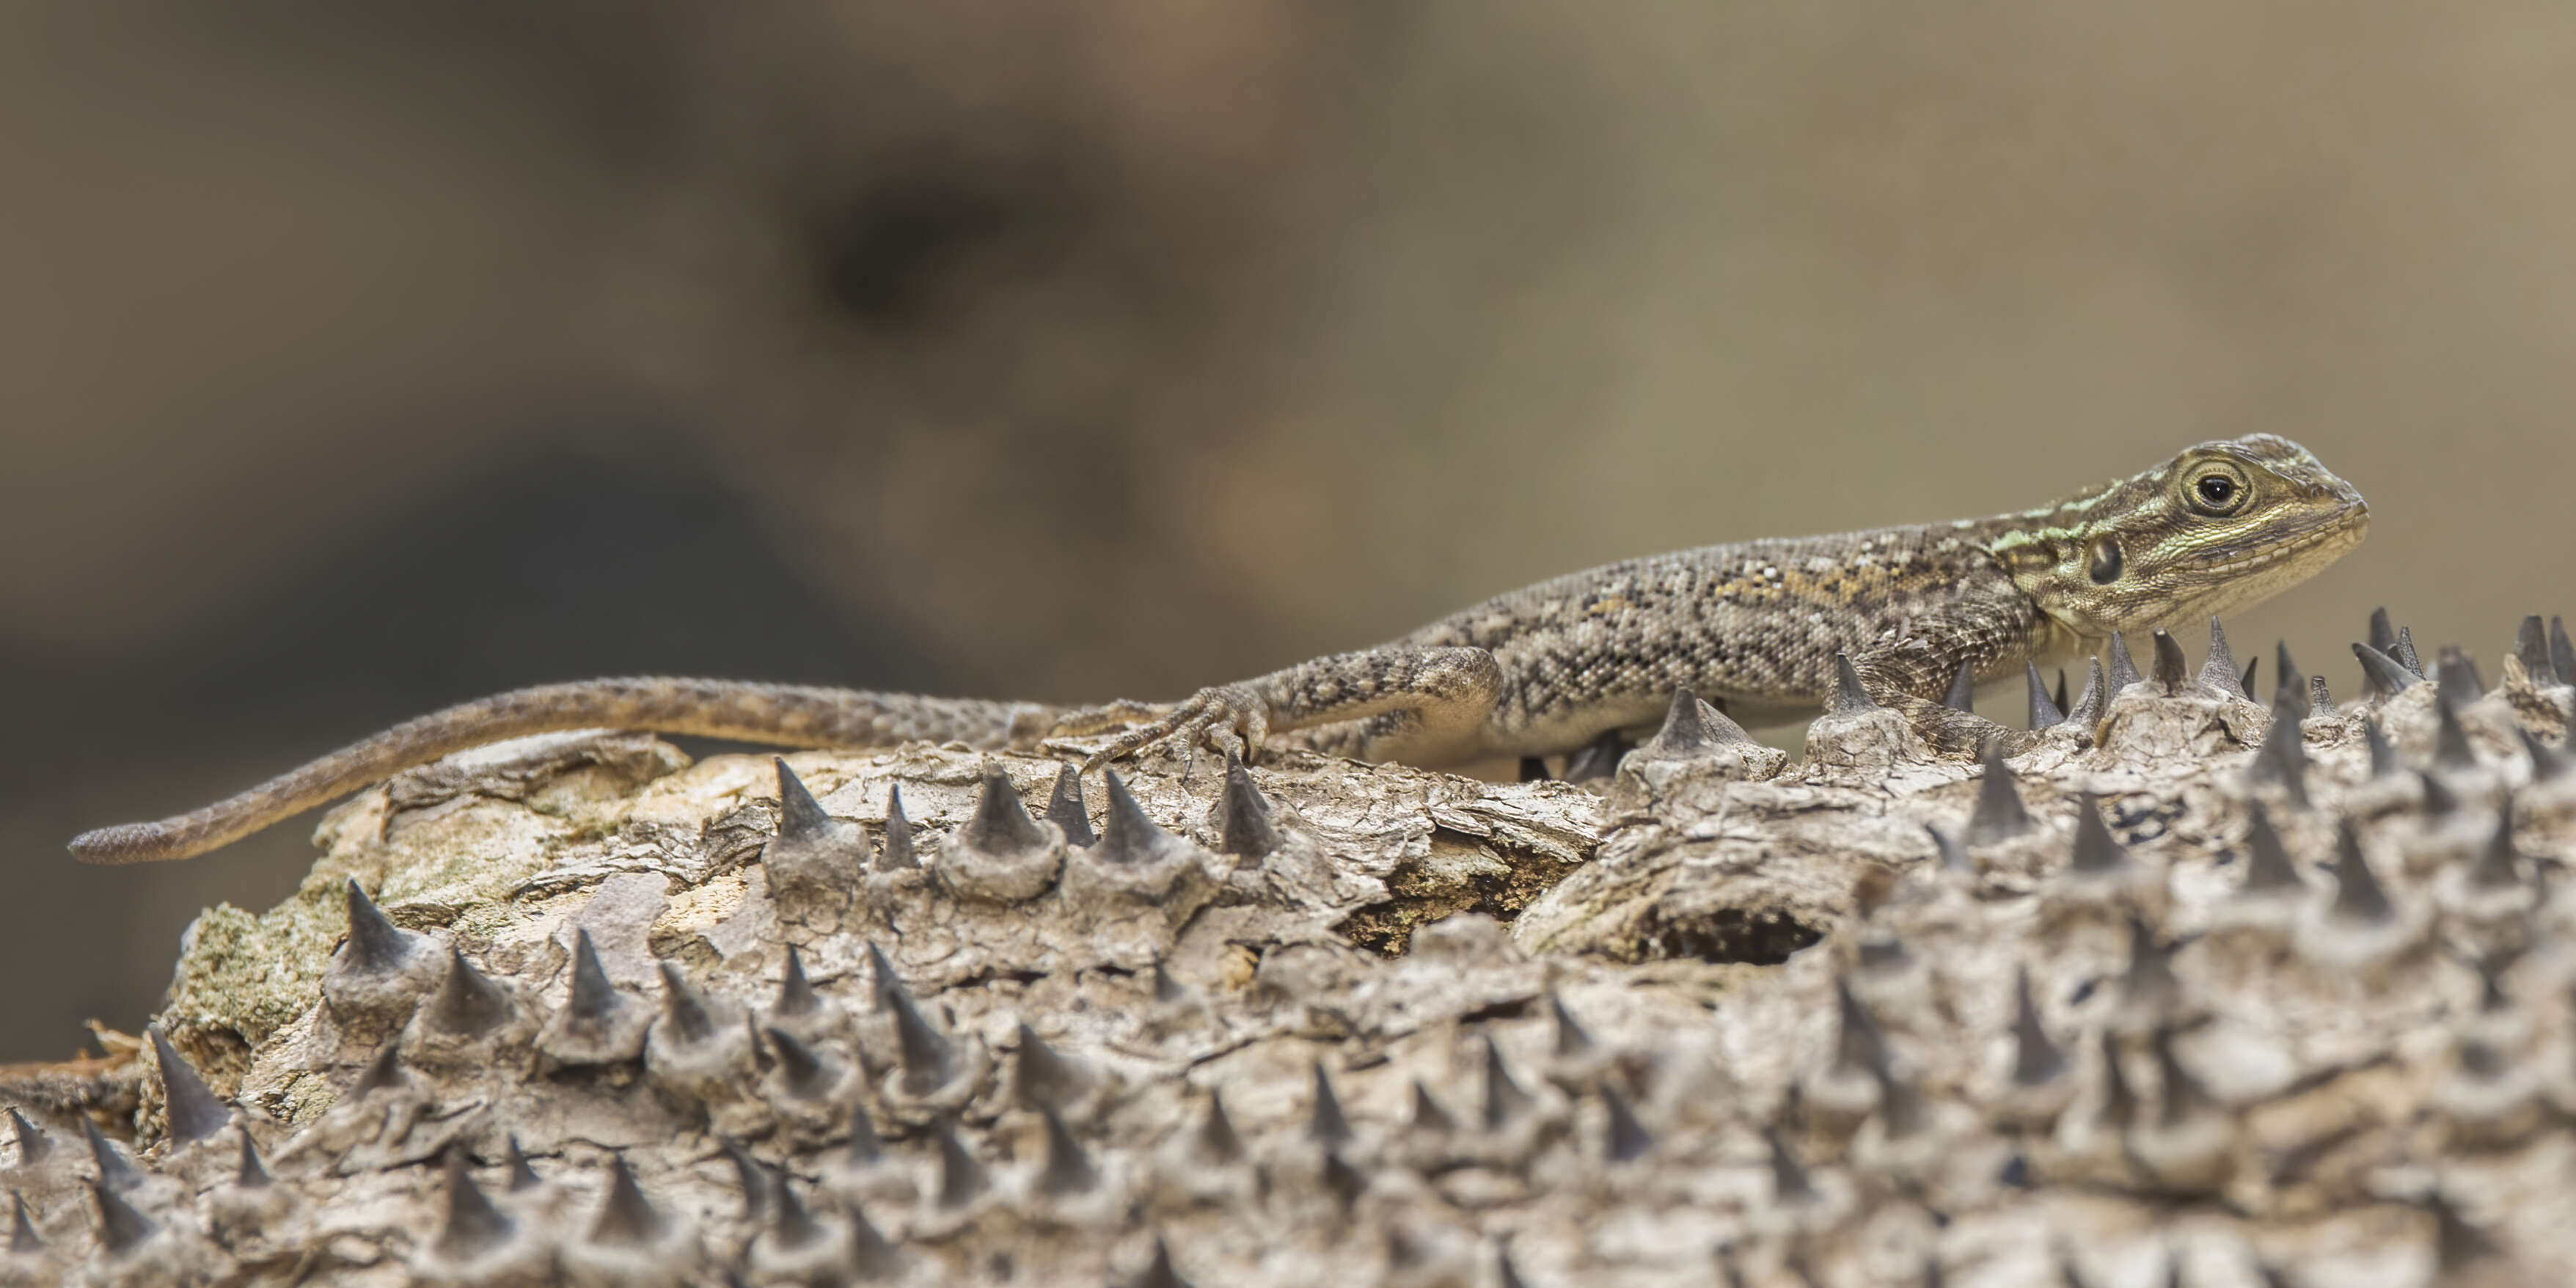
(2107, 561)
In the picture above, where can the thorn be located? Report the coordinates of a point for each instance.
(796, 996)
(1428, 1117)
(121, 1225)
(2219, 670)
(1953, 858)
(799, 815)
(1326, 1125)
(691, 1021)
(2382, 635)
(886, 981)
(961, 1178)
(192, 1108)
(1999, 815)
(382, 1073)
(2358, 894)
(2320, 701)
(115, 1170)
(1067, 1169)
(1046, 1080)
(2060, 699)
(22, 1230)
(2562, 652)
(1128, 835)
(523, 1174)
(1858, 1044)
(2381, 673)
(2044, 714)
(627, 1219)
(2450, 740)
(2547, 763)
(1789, 1181)
(1166, 988)
(2172, 670)
(473, 1226)
(2124, 669)
(796, 1227)
(2283, 757)
(1065, 810)
(375, 944)
(2094, 700)
(2286, 681)
(1001, 823)
(593, 997)
(1598, 759)
(2459, 683)
(2383, 757)
(2405, 653)
(1682, 734)
(1571, 1040)
(1849, 696)
(876, 1258)
(1627, 1139)
(2096, 850)
(1343, 1180)
(2148, 981)
(469, 1003)
(2119, 1099)
(748, 1173)
(803, 1070)
(929, 1060)
(2246, 681)
(1216, 1143)
(2495, 868)
(250, 1174)
(865, 1146)
(1246, 830)
(2456, 1243)
(1533, 769)
(898, 854)
(2184, 1096)
(1159, 1273)
(1504, 1099)
(1692, 726)
(2439, 800)
(2036, 1060)
(1963, 690)
(2531, 645)
(2267, 866)
(33, 1143)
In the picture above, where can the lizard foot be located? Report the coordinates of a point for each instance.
(1960, 733)
(1228, 718)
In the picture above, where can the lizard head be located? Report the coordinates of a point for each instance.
(2221, 525)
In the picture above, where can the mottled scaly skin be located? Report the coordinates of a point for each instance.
(786, 714)
(1550, 667)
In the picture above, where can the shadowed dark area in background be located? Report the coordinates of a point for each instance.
(364, 358)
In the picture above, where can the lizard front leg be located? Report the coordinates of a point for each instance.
(1986, 632)
(1438, 698)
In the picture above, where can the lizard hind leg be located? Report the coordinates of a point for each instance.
(1231, 718)
(1444, 695)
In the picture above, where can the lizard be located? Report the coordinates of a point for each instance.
(1765, 627)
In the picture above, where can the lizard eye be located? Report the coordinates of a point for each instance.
(2107, 562)
(2218, 493)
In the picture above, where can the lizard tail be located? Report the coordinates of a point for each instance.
(783, 714)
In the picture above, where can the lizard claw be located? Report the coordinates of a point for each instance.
(1228, 718)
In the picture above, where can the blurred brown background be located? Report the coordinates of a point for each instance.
(363, 358)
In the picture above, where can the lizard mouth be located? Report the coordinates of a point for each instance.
(2352, 522)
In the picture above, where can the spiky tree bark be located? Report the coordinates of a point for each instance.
(2196, 983)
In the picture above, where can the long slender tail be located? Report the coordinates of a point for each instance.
(789, 715)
